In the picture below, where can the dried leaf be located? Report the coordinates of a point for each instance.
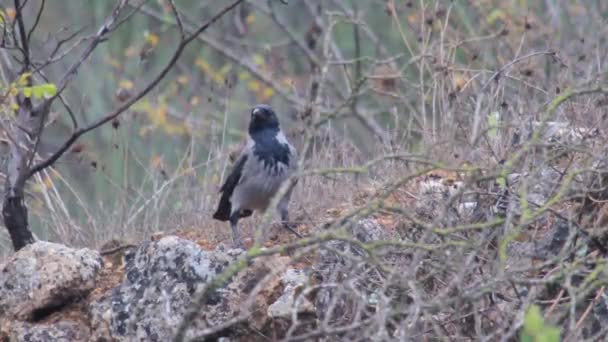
(126, 84)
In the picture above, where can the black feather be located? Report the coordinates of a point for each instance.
(269, 150)
(225, 207)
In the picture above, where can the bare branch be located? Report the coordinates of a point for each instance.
(99, 37)
(38, 16)
(25, 49)
(178, 19)
(127, 104)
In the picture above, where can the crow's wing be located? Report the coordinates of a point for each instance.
(225, 207)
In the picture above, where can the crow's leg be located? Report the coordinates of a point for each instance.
(282, 207)
(284, 212)
(285, 221)
(234, 219)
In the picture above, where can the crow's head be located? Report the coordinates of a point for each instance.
(262, 118)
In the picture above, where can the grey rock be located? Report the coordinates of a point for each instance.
(367, 230)
(63, 331)
(340, 259)
(45, 275)
(600, 316)
(553, 241)
(160, 281)
(284, 306)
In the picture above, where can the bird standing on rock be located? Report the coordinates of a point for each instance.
(265, 163)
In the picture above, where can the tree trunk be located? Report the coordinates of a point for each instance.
(14, 212)
(22, 146)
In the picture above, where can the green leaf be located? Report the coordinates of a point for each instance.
(502, 182)
(258, 59)
(38, 92)
(24, 78)
(526, 338)
(533, 320)
(495, 15)
(550, 334)
(27, 92)
(44, 90)
(493, 124)
(49, 89)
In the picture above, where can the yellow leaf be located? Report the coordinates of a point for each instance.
(13, 91)
(195, 100)
(143, 131)
(215, 179)
(158, 116)
(250, 19)
(11, 13)
(48, 182)
(24, 78)
(14, 106)
(253, 85)
(172, 129)
(113, 62)
(37, 187)
(496, 14)
(126, 84)
(142, 106)
(244, 75)
(157, 161)
(459, 80)
(152, 39)
(183, 79)
(225, 69)
(268, 93)
(131, 51)
(413, 18)
(189, 171)
(202, 64)
(258, 59)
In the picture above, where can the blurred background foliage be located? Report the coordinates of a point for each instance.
(266, 52)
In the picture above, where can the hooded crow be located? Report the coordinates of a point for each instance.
(265, 163)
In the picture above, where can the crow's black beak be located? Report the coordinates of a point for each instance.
(256, 112)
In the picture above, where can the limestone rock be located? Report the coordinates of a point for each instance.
(43, 276)
(63, 331)
(160, 281)
(292, 281)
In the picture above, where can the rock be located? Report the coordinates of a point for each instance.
(160, 281)
(292, 281)
(340, 259)
(63, 331)
(553, 240)
(251, 291)
(435, 192)
(600, 316)
(367, 230)
(567, 133)
(43, 276)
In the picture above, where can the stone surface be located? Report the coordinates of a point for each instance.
(340, 259)
(160, 281)
(43, 276)
(292, 280)
(64, 331)
(160, 284)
